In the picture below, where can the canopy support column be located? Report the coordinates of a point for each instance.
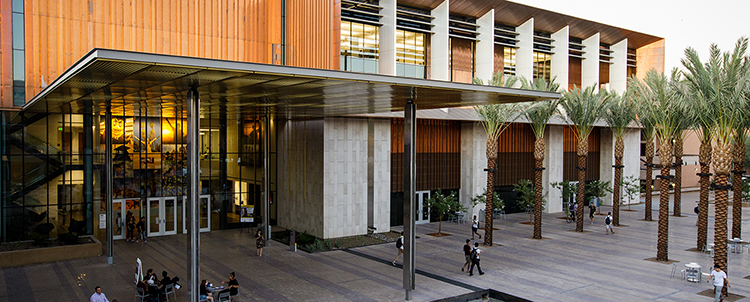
(266, 181)
(110, 176)
(192, 207)
(410, 206)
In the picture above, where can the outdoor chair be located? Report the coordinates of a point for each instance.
(169, 289)
(674, 271)
(223, 297)
(140, 293)
(460, 218)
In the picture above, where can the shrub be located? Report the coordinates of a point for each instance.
(69, 238)
(39, 240)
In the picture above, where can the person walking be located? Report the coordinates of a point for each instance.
(475, 227)
(399, 247)
(98, 296)
(697, 211)
(467, 254)
(141, 226)
(130, 227)
(260, 241)
(475, 259)
(720, 277)
(608, 223)
(592, 210)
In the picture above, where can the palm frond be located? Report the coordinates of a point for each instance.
(619, 113)
(582, 108)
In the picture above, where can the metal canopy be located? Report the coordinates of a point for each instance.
(153, 84)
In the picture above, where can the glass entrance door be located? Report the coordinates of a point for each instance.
(205, 214)
(118, 223)
(423, 214)
(162, 213)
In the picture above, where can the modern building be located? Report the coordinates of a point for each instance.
(314, 87)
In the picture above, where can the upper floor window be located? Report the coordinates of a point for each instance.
(359, 47)
(542, 65)
(410, 54)
(19, 54)
(509, 61)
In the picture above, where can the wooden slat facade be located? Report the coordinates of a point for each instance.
(6, 55)
(438, 155)
(499, 59)
(313, 33)
(603, 73)
(515, 158)
(58, 33)
(462, 54)
(574, 72)
(570, 157)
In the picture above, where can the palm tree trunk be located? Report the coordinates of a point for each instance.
(662, 246)
(582, 152)
(489, 200)
(649, 177)
(678, 176)
(619, 150)
(739, 164)
(538, 168)
(722, 164)
(705, 162)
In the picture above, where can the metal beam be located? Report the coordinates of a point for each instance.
(266, 181)
(110, 176)
(192, 206)
(410, 206)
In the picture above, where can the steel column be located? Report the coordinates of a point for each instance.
(192, 205)
(110, 176)
(266, 180)
(410, 206)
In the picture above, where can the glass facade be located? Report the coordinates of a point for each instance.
(359, 47)
(19, 49)
(509, 61)
(54, 174)
(542, 66)
(411, 54)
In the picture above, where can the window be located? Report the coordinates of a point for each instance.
(19, 68)
(542, 63)
(359, 47)
(410, 54)
(509, 61)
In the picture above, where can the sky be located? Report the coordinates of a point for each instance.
(682, 24)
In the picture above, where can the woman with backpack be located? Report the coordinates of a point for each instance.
(399, 247)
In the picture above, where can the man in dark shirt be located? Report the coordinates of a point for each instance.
(467, 254)
(141, 227)
(233, 285)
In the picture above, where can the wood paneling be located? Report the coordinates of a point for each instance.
(6, 55)
(438, 154)
(603, 73)
(313, 33)
(462, 53)
(574, 72)
(58, 33)
(515, 158)
(499, 59)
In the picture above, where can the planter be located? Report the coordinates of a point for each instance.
(51, 254)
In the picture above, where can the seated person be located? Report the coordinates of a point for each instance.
(233, 287)
(165, 280)
(204, 293)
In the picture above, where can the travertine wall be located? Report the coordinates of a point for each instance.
(300, 176)
(473, 162)
(382, 175)
(631, 160)
(344, 177)
(553, 164)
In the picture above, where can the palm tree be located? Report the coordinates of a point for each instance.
(679, 141)
(495, 119)
(723, 82)
(648, 132)
(582, 109)
(662, 103)
(701, 115)
(619, 114)
(538, 115)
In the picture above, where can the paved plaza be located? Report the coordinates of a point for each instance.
(565, 266)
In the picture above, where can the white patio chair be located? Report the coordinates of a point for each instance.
(674, 271)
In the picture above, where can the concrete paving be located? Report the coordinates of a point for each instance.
(565, 266)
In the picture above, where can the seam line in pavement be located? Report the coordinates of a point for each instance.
(418, 271)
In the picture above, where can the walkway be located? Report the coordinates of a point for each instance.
(566, 266)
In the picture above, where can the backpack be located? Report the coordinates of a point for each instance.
(399, 242)
(474, 255)
(607, 220)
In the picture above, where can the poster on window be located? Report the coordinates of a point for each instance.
(246, 214)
